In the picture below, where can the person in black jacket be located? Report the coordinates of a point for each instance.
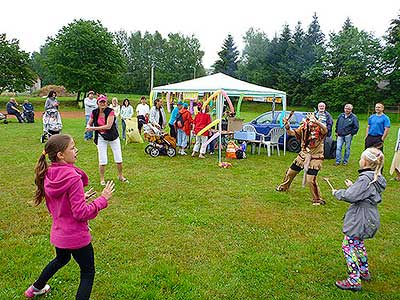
(346, 127)
(102, 122)
(13, 110)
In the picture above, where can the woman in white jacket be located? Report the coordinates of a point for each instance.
(125, 113)
(157, 115)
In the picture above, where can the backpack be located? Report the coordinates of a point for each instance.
(179, 120)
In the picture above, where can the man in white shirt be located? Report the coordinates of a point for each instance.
(90, 104)
(142, 112)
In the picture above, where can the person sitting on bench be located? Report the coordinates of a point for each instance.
(13, 110)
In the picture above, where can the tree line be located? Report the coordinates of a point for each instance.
(351, 65)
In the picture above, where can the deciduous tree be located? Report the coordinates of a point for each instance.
(15, 71)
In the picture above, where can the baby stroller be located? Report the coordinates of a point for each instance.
(159, 142)
(51, 124)
(28, 115)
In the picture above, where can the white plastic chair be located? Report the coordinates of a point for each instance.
(271, 140)
(251, 128)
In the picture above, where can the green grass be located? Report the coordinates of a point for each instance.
(185, 229)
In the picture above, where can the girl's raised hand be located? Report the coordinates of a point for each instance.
(108, 190)
(348, 183)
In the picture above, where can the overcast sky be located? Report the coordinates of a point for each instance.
(31, 22)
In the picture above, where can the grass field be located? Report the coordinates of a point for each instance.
(185, 229)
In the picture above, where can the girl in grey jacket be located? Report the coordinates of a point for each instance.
(362, 218)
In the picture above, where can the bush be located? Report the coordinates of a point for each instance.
(60, 90)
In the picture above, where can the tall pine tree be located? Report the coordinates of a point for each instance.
(228, 58)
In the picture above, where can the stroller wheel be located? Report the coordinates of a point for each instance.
(171, 152)
(154, 152)
(148, 149)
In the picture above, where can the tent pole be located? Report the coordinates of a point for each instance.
(285, 134)
(220, 103)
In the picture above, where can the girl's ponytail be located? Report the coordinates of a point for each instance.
(56, 143)
(40, 172)
(375, 159)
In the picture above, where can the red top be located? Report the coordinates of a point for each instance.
(201, 120)
(187, 120)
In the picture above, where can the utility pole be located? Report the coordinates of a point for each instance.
(194, 72)
(152, 76)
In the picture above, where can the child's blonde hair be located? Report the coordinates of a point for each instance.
(375, 159)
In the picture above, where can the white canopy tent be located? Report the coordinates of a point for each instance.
(231, 86)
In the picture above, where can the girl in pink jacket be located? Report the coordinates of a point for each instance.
(62, 185)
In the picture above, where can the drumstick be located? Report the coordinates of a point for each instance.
(327, 181)
(290, 115)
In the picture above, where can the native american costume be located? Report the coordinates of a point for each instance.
(311, 135)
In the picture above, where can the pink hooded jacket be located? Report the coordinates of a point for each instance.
(65, 200)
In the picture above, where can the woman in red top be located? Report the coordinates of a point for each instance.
(201, 120)
(184, 125)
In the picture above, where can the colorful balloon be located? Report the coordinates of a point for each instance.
(212, 124)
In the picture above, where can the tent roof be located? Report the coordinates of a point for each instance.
(212, 83)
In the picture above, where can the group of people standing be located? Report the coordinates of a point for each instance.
(62, 184)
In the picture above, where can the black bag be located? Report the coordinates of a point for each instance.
(179, 121)
(240, 154)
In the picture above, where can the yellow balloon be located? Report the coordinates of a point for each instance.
(212, 124)
(214, 95)
(151, 99)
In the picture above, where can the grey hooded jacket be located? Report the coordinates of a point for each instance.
(362, 218)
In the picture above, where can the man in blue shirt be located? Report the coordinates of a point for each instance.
(378, 128)
(172, 119)
(346, 127)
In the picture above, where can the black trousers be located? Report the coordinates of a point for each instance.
(374, 141)
(172, 131)
(18, 115)
(85, 259)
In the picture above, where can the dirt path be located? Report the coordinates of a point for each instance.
(65, 115)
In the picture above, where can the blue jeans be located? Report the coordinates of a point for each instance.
(340, 141)
(88, 134)
(182, 139)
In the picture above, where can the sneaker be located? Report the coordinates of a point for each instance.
(346, 285)
(337, 164)
(344, 163)
(32, 292)
(365, 277)
(102, 183)
(123, 179)
(319, 202)
(211, 153)
(183, 153)
(193, 154)
(202, 156)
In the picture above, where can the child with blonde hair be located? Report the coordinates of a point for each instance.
(362, 217)
(61, 184)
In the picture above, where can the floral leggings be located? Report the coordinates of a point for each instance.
(356, 258)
